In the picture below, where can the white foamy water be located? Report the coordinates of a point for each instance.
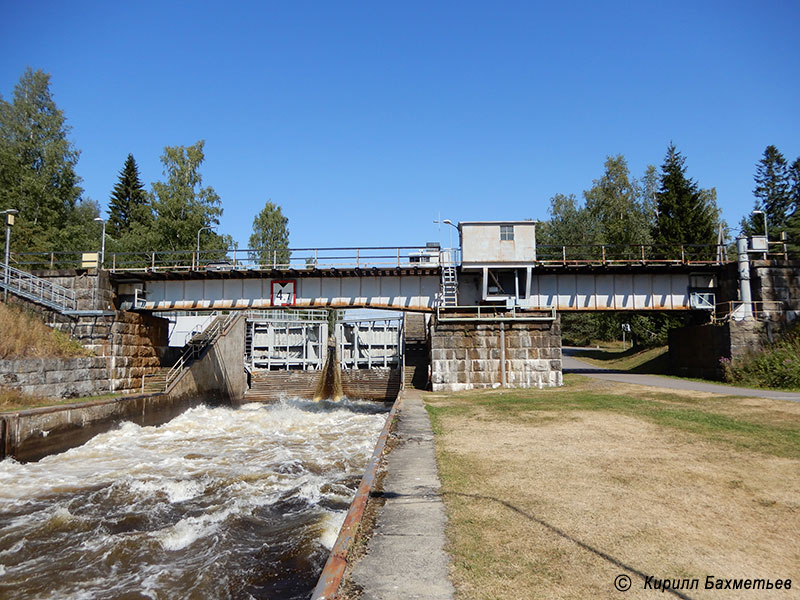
(217, 503)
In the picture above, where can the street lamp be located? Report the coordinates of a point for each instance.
(103, 242)
(448, 222)
(9, 213)
(197, 252)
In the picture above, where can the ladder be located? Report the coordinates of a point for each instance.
(449, 285)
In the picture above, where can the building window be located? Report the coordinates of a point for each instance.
(507, 232)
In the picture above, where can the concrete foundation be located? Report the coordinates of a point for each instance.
(473, 355)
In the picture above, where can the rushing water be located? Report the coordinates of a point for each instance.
(217, 503)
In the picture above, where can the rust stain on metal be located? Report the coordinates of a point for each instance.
(333, 571)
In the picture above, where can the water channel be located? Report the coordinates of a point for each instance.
(217, 503)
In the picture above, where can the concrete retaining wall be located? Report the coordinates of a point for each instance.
(219, 373)
(33, 434)
(467, 355)
(696, 351)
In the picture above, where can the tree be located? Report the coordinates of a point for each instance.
(37, 164)
(772, 194)
(129, 203)
(614, 202)
(269, 241)
(686, 215)
(182, 205)
(793, 222)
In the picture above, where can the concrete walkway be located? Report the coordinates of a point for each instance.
(405, 556)
(570, 364)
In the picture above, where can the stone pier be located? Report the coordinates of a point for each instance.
(469, 355)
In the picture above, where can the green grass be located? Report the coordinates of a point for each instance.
(702, 417)
(647, 361)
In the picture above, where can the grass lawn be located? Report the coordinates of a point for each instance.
(650, 361)
(554, 493)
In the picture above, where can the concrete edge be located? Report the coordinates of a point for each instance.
(333, 572)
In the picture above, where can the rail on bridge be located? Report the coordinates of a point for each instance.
(413, 278)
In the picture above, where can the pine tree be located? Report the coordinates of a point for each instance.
(772, 194)
(686, 215)
(793, 222)
(129, 203)
(37, 164)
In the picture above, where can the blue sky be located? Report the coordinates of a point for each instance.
(365, 121)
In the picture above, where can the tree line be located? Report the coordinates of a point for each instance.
(38, 178)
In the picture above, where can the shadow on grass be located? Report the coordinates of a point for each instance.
(658, 365)
(563, 534)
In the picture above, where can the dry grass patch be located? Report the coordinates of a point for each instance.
(25, 336)
(553, 493)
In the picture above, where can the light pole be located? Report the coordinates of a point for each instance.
(197, 252)
(103, 242)
(9, 213)
(448, 222)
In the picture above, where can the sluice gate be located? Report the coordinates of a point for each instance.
(286, 352)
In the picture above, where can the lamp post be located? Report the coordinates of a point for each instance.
(9, 213)
(448, 222)
(197, 252)
(103, 242)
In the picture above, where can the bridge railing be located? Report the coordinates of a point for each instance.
(247, 259)
(630, 254)
(384, 257)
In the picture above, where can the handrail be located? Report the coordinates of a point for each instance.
(37, 289)
(494, 313)
(736, 310)
(217, 327)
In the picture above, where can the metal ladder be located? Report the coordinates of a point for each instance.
(449, 285)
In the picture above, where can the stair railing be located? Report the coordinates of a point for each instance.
(196, 347)
(37, 289)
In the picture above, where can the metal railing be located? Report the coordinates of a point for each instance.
(494, 313)
(248, 259)
(761, 310)
(36, 289)
(197, 346)
(631, 254)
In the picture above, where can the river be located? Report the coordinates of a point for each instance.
(217, 503)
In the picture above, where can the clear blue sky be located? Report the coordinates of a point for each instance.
(365, 121)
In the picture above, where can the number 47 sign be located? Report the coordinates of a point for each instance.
(283, 292)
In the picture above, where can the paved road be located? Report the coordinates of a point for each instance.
(570, 364)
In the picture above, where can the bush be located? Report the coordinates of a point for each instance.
(777, 366)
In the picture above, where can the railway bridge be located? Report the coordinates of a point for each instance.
(496, 297)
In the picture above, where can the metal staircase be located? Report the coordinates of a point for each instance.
(36, 289)
(215, 326)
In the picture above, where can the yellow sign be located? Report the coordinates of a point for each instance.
(89, 260)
